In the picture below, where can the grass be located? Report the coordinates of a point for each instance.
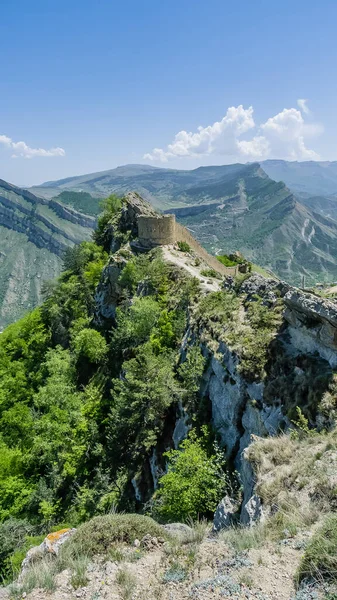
(78, 568)
(100, 534)
(286, 466)
(285, 523)
(262, 271)
(198, 531)
(225, 260)
(320, 557)
(244, 538)
(127, 583)
(40, 575)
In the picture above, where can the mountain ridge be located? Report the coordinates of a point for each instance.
(237, 207)
(34, 234)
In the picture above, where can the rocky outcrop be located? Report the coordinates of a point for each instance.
(50, 545)
(225, 515)
(24, 217)
(72, 215)
(133, 207)
(312, 324)
(108, 291)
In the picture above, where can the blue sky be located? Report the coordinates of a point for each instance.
(88, 86)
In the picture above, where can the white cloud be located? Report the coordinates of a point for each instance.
(219, 138)
(303, 104)
(20, 149)
(281, 136)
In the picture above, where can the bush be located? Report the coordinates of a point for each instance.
(90, 344)
(100, 534)
(184, 247)
(320, 557)
(225, 260)
(194, 482)
(13, 533)
(210, 273)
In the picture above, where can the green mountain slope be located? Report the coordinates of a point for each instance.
(34, 234)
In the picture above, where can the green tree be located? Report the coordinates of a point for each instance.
(194, 482)
(140, 401)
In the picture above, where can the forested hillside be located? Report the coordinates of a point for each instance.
(135, 388)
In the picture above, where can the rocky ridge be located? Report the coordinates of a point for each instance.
(302, 349)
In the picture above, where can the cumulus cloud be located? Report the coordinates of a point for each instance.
(20, 149)
(303, 104)
(282, 136)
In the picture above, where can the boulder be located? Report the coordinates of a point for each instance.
(50, 546)
(252, 511)
(225, 515)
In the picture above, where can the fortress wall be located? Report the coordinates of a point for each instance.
(183, 235)
(156, 230)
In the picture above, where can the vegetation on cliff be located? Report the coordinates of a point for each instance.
(89, 405)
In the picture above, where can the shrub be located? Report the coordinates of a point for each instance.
(320, 557)
(218, 307)
(225, 260)
(175, 574)
(100, 534)
(194, 482)
(184, 247)
(90, 344)
(13, 533)
(210, 273)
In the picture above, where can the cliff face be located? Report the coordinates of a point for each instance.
(34, 235)
(274, 351)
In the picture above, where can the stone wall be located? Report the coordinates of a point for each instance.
(157, 230)
(183, 235)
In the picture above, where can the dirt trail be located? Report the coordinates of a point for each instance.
(186, 261)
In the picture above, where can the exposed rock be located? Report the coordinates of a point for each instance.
(267, 288)
(252, 511)
(133, 207)
(150, 542)
(50, 545)
(108, 290)
(182, 426)
(225, 515)
(313, 324)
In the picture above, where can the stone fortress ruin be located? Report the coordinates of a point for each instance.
(158, 230)
(154, 229)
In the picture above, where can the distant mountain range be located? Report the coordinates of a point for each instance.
(33, 236)
(289, 229)
(309, 178)
(270, 211)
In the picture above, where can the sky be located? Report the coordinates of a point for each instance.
(88, 85)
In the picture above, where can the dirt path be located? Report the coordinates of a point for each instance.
(186, 261)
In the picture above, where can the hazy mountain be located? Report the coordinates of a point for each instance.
(239, 207)
(163, 187)
(311, 178)
(33, 236)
